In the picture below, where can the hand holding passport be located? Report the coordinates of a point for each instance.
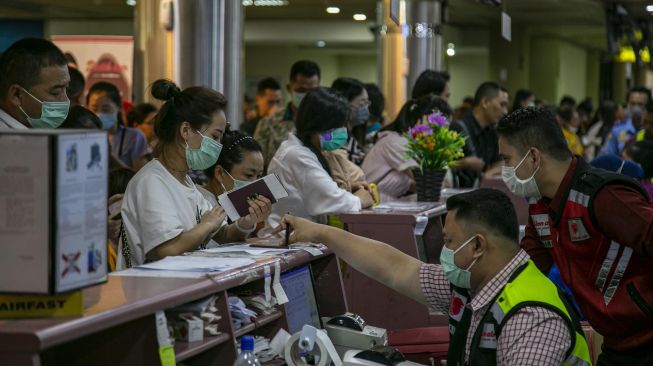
(236, 203)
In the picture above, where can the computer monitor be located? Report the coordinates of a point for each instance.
(301, 308)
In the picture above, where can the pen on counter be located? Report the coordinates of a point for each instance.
(288, 228)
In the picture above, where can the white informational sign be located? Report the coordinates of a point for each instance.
(506, 31)
(81, 210)
(102, 58)
(24, 213)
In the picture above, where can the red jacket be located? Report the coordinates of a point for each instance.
(611, 282)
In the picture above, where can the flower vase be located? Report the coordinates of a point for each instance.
(429, 184)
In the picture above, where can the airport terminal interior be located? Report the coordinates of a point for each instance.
(326, 182)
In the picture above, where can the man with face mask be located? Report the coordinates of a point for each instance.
(273, 130)
(502, 310)
(621, 133)
(33, 82)
(595, 226)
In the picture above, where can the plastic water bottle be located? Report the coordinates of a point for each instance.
(247, 357)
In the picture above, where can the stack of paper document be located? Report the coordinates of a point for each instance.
(189, 263)
(247, 249)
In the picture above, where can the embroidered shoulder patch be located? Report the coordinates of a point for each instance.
(577, 230)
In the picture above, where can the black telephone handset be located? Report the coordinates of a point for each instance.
(348, 320)
(382, 355)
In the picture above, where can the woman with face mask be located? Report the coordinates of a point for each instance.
(240, 163)
(163, 212)
(127, 144)
(386, 164)
(305, 173)
(359, 104)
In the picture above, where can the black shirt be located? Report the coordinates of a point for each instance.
(481, 142)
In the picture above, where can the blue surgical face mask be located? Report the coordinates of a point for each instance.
(52, 113)
(334, 139)
(457, 276)
(204, 157)
(360, 116)
(297, 98)
(108, 120)
(237, 183)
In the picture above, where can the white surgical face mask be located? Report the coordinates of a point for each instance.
(521, 187)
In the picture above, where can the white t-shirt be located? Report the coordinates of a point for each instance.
(312, 193)
(157, 208)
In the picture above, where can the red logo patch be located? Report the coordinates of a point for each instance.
(456, 306)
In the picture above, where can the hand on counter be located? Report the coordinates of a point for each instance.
(366, 198)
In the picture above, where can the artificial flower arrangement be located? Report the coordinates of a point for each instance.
(432, 144)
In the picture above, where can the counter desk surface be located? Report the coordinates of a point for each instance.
(125, 299)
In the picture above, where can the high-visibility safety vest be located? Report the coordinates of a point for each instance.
(527, 287)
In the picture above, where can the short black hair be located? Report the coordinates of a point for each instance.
(488, 89)
(235, 143)
(430, 82)
(81, 118)
(305, 67)
(22, 62)
(77, 83)
(104, 87)
(567, 100)
(489, 208)
(639, 89)
(534, 127)
(377, 100)
(642, 153)
(350, 88)
(138, 113)
(267, 83)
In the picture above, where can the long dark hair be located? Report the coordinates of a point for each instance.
(413, 111)
(195, 105)
(321, 110)
(235, 143)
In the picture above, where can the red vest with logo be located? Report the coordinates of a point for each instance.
(612, 285)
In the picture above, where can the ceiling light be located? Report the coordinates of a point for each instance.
(333, 10)
(649, 8)
(264, 2)
(320, 44)
(360, 17)
(451, 49)
(131, 2)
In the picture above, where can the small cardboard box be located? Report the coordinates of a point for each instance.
(188, 328)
